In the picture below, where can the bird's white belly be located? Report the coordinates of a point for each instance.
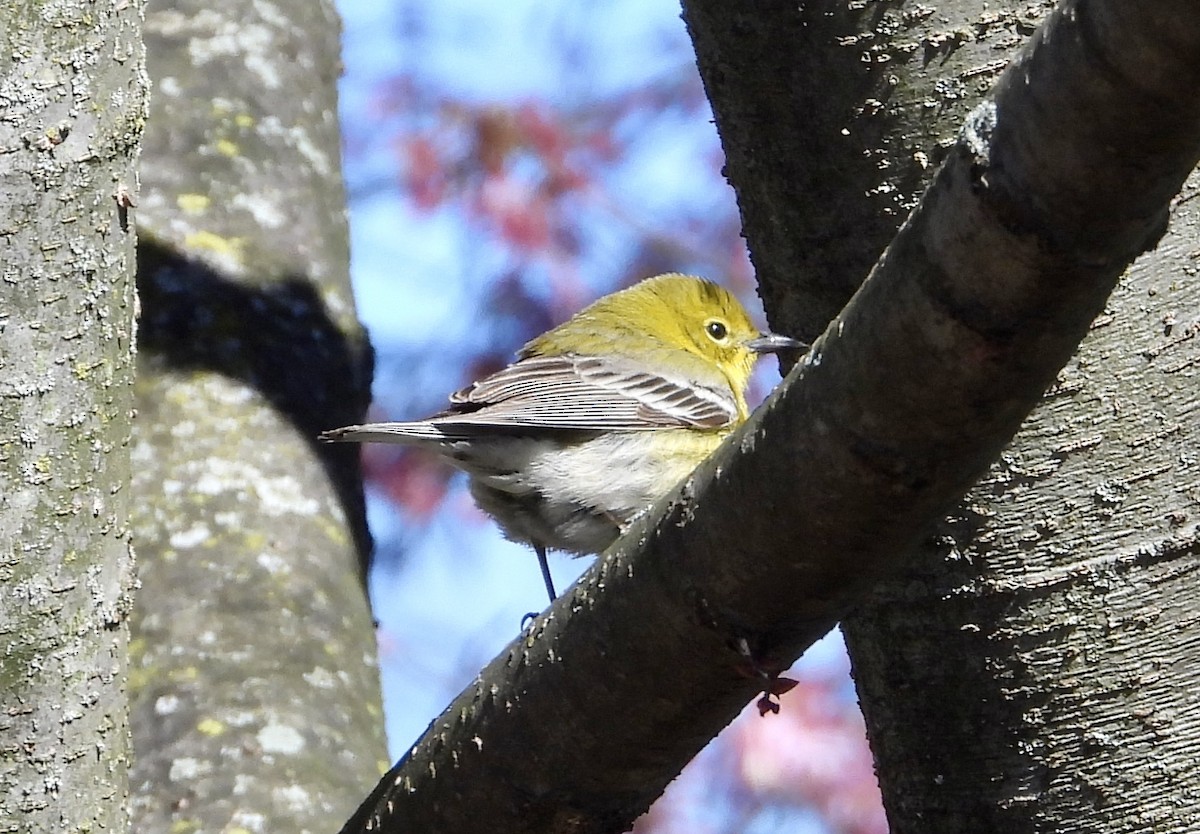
(578, 496)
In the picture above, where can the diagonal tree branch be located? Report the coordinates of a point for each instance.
(1054, 186)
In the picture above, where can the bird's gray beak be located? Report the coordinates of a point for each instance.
(774, 343)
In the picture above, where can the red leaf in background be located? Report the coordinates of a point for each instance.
(521, 214)
(548, 138)
(562, 181)
(497, 135)
(425, 175)
(414, 480)
(602, 144)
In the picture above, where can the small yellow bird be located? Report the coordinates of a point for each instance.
(598, 417)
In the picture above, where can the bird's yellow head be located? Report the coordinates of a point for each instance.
(681, 324)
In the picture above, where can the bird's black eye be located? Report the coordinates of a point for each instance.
(716, 329)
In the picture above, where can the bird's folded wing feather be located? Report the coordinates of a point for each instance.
(587, 393)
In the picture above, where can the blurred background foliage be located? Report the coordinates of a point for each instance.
(508, 162)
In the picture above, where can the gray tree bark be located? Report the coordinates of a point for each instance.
(72, 105)
(914, 389)
(255, 691)
(1037, 670)
(834, 116)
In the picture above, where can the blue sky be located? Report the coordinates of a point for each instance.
(458, 594)
(451, 593)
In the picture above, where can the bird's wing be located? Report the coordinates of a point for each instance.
(588, 393)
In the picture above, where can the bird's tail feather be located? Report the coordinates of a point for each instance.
(415, 433)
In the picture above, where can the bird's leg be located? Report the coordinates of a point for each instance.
(545, 566)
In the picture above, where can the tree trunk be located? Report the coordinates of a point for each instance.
(73, 101)
(256, 696)
(1036, 670)
(833, 117)
(1038, 673)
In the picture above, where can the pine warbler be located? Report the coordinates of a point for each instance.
(598, 417)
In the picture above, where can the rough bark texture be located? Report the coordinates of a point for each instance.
(912, 391)
(256, 698)
(1039, 676)
(1044, 677)
(72, 106)
(833, 116)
